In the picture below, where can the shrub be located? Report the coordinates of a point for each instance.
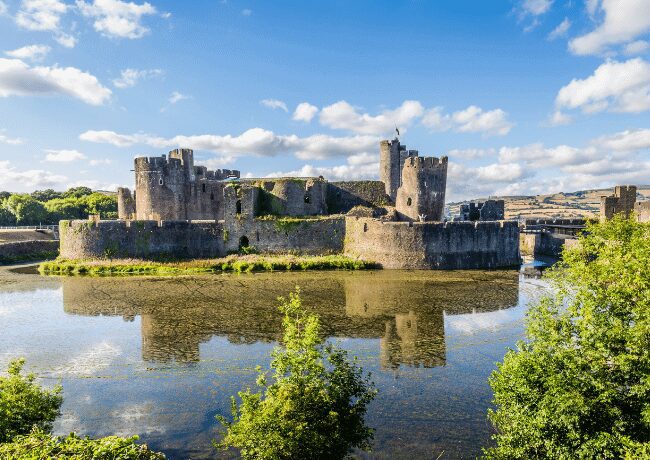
(40, 445)
(315, 404)
(24, 404)
(579, 387)
(26, 210)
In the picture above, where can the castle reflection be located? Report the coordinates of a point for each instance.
(405, 310)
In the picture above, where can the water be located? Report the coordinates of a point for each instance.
(161, 356)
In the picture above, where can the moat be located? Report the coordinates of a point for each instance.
(160, 357)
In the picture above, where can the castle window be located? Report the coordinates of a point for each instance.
(238, 207)
(243, 242)
(160, 181)
(365, 227)
(408, 201)
(212, 195)
(307, 199)
(203, 187)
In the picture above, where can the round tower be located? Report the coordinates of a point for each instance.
(422, 193)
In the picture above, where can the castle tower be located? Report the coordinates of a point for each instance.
(392, 156)
(622, 201)
(125, 204)
(422, 193)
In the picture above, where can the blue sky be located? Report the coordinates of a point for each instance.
(525, 97)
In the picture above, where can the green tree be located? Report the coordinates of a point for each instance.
(77, 192)
(579, 386)
(26, 209)
(315, 405)
(24, 404)
(65, 208)
(6, 216)
(41, 445)
(4, 195)
(45, 195)
(104, 205)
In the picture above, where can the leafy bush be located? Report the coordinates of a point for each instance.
(580, 386)
(26, 210)
(40, 445)
(24, 404)
(315, 406)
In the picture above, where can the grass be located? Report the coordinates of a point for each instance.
(32, 256)
(231, 264)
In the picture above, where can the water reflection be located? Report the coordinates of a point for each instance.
(406, 311)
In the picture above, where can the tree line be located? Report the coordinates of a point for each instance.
(48, 207)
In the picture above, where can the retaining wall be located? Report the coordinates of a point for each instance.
(28, 250)
(434, 245)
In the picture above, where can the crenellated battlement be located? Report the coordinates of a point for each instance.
(425, 162)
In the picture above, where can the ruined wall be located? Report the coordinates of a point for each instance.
(82, 239)
(642, 210)
(422, 193)
(545, 244)
(622, 201)
(125, 204)
(343, 196)
(28, 250)
(392, 156)
(160, 188)
(434, 245)
(292, 197)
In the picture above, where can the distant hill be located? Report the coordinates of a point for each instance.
(583, 203)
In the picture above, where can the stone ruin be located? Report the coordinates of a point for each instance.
(623, 201)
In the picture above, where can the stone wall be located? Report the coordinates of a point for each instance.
(642, 210)
(422, 193)
(291, 197)
(434, 245)
(283, 235)
(343, 196)
(545, 244)
(621, 202)
(28, 250)
(140, 239)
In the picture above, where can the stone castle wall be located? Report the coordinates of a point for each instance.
(621, 202)
(434, 245)
(642, 210)
(82, 239)
(343, 196)
(421, 195)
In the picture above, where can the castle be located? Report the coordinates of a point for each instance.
(182, 210)
(623, 201)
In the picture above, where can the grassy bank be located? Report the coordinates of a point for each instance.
(230, 264)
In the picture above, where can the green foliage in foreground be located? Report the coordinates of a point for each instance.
(40, 445)
(580, 386)
(231, 264)
(24, 404)
(315, 404)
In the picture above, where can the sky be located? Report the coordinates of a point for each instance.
(524, 96)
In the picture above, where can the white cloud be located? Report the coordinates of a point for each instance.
(65, 40)
(64, 156)
(19, 79)
(470, 154)
(470, 120)
(255, 141)
(274, 104)
(130, 77)
(625, 141)
(618, 86)
(559, 118)
(342, 115)
(99, 162)
(305, 112)
(3, 8)
(31, 52)
(362, 166)
(176, 97)
(246, 12)
(637, 47)
(4, 139)
(560, 30)
(536, 7)
(10, 177)
(117, 19)
(41, 14)
(624, 20)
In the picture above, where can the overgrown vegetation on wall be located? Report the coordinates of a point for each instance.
(578, 387)
(49, 206)
(312, 405)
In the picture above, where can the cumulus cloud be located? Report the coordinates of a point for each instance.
(65, 40)
(274, 104)
(470, 120)
(99, 162)
(623, 21)
(560, 30)
(559, 118)
(536, 7)
(19, 79)
(4, 139)
(617, 86)
(625, 141)
(41, 14)
(30, 52)
(342, 115)
(358, 167)
(637, 47)
(117, 19)
(470, 154)
(130, 77)
(10, 177)
(305, 112)
(64, 156)
(255, 141)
